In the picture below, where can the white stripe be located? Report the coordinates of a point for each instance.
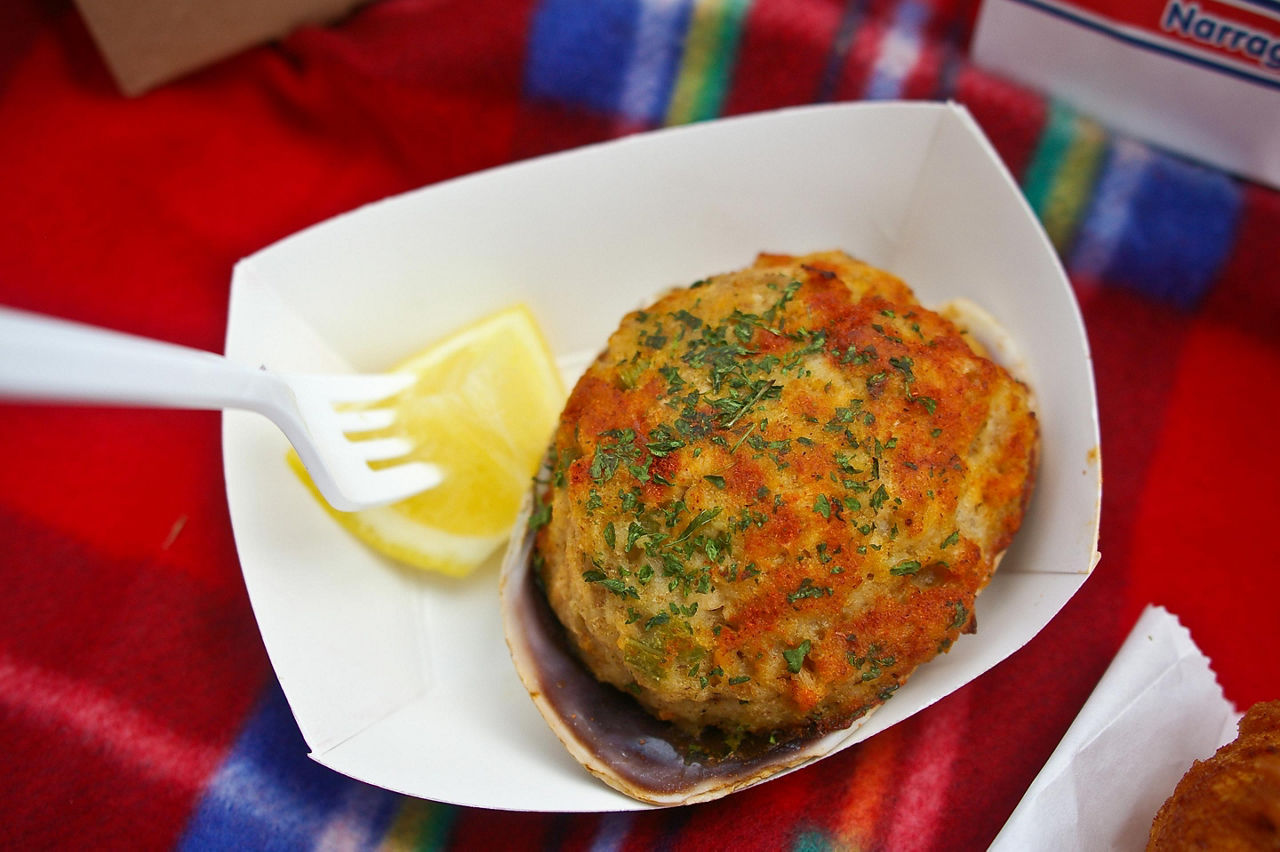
(651, 61)
(899, 52)
(349, 829)
(105, 724)
(243, 794)
(930, 769)
(613, 831)
(898, 55)
(1108, 215)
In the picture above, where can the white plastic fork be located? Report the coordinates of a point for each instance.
(51, 360)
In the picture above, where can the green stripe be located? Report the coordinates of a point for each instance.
(1055, 138)
(439, 826)
(710, 49)
(1069, 199)
(812, 841)
(1060, 178)
(420, 825)
(716, 87)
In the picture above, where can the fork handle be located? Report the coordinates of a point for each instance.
(46, 359)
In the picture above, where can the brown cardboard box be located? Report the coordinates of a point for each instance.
(149, 42)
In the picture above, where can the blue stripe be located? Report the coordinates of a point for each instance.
(886, 80)
(1266, 5)
(655, 62)
(1154, 47)
(1104, 223)
(1179, 230)
(850, 22)
(612, 831)
(579, 51)
(268, 795)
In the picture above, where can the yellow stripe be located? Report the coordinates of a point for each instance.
(1064, 208)
(419, 825)
(406, 828)
(701, 46)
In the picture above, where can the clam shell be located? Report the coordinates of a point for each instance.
(605, 729)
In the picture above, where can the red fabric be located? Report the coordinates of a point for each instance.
(790, 34)
(129, 658)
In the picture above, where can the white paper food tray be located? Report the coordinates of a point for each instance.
(403, 680)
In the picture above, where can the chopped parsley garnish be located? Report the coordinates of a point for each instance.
(689, 320)
(657, 340)
(635, 531)
(662, 442)
(875, 660)
(608, 456)
(808, 590)
(618, 587)
(745, 434)
(795, 656)
(540, 517)
(734, 406)
(853, 357)
(657, 620)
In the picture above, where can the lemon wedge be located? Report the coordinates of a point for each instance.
(483, 409)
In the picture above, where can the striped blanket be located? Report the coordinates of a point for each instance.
(137, 705)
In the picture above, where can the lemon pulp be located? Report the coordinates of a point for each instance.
(483, 409)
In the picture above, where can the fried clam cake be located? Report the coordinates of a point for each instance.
(777, 492)
(1231, 801)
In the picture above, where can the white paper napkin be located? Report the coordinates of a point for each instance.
(1157, 709)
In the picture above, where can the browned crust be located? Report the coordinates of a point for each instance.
(857, 470)
(1232, 800)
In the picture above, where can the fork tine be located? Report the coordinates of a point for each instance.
(366, 420)
(341, 470)
(362, 388)
(349, 490)
(382, 449)
(405, 480)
